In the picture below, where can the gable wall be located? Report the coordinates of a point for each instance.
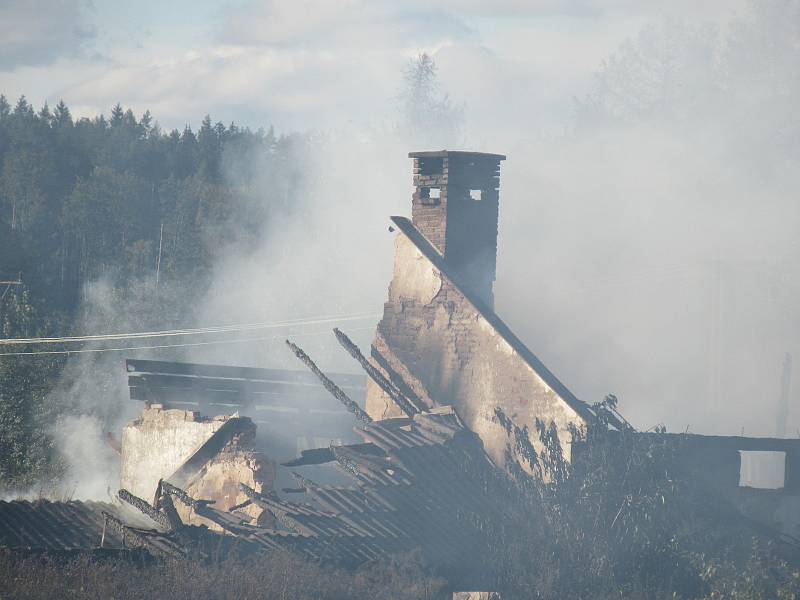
(449, 354)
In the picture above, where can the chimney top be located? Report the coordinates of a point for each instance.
(454, 153)
(455, 206)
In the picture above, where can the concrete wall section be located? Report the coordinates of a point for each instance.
(207, 457)
(154, 446)
(715, 462)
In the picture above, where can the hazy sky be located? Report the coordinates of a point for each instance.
(315, 63)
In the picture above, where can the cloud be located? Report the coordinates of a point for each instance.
(295, 65)
(293, 89)
(347, 24)
(37, 32)
(590, 9)
(272, 65)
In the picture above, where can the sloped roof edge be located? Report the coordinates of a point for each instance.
(429, 252)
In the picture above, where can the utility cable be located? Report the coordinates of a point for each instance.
(184, 332)
(188, 344)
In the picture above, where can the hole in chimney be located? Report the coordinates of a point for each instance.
(428, 196)
(475, 194)
(431, 166)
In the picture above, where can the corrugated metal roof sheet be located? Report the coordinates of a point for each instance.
(47, 525)
(423, 483)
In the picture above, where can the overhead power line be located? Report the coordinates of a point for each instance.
(184, 345)
(186, 332)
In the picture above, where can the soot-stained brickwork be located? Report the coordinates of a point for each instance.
(439, 336)
(455, 206)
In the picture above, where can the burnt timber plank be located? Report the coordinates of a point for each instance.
(251, 374)
(171, 382)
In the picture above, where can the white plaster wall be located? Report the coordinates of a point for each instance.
(414, 278)
(154, 446)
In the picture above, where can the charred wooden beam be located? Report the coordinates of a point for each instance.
(228, 389)
(153, 542)
(159, 495)
(144, 507)
(240, 506)
(256, 497)
(397, 380)
(228, 521)
(188, 372)
(181, 495)
(110, 521)
(329, 385)
(345, 461)
(163, 502)
(405, 404)
(280, 512)
(306, 484)
(320, 456)
(168, 506)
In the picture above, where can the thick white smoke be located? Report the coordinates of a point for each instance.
(652, 251)
(648, 249)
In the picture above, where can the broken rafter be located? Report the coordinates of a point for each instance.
(306, 484)
(255, 496)
(405, 404)
(163, 502)
(115, 524)
(276, 508)
(168, 506)
(153, 541)
(329, 385)
(422, 401)
(181, 495)
(345, 461)
(144, 507)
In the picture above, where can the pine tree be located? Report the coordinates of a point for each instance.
(5, 107)
(129, 120)
(23, 109)
(429, 117)
(146, 122)
(270, 140)
(209, 147)
(116, 115)
(45, 115)
(63, 118)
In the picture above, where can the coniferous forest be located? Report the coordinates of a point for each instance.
(113, 198)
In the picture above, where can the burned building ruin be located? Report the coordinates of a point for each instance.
(439, 334)
(421, 442)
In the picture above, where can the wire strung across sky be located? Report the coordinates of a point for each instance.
(184, 345)
(237, 328)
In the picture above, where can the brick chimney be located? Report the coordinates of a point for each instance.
(455, 206)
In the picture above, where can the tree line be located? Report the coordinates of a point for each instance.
(120, 200)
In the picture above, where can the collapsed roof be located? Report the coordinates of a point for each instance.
(451, 395)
